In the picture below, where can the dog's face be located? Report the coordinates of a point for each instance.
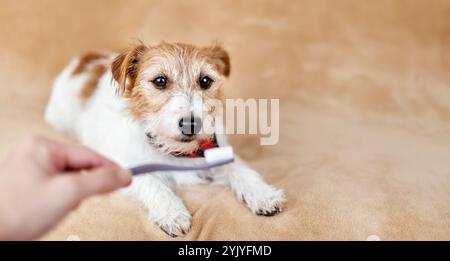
(173, 91)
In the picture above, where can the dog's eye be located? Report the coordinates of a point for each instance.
(160, 82)
(205, 82)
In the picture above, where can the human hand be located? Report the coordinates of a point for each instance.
(42, 180)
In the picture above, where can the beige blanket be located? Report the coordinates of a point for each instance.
(364, 89)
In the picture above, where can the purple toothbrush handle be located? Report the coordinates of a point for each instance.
(147, 168)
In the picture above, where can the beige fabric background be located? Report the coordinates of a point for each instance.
(364, 88)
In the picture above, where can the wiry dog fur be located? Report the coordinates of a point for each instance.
(109, 102)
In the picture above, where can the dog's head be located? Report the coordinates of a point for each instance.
(172, 89)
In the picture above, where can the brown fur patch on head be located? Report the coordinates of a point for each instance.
(125, 68)
(219, 57)
(140, 103)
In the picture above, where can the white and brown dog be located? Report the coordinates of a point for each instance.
(131, 108)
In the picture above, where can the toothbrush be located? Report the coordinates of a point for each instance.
(214, 157)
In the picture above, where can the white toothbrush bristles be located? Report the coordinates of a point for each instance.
(217, 155)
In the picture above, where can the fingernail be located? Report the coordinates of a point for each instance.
(110, 163)
(125, 176)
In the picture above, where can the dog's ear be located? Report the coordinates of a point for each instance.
(220, 58)
(124, 68)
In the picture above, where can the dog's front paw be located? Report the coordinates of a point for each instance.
(264, 200)
(171, 216)
(175, 224)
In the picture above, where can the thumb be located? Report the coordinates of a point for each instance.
(76, 187)
(100, 180)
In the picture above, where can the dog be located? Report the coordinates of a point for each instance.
(133, 106)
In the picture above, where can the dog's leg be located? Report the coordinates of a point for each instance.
(165, 208)
(250, 188)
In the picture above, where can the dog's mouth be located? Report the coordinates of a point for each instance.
(192, 151)
(185, 139)
(152, 141)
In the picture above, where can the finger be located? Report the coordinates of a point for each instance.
(72, 189)
(58, 157)
(75, 158)
(100, 180)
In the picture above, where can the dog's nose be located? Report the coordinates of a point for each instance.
(190, 126)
